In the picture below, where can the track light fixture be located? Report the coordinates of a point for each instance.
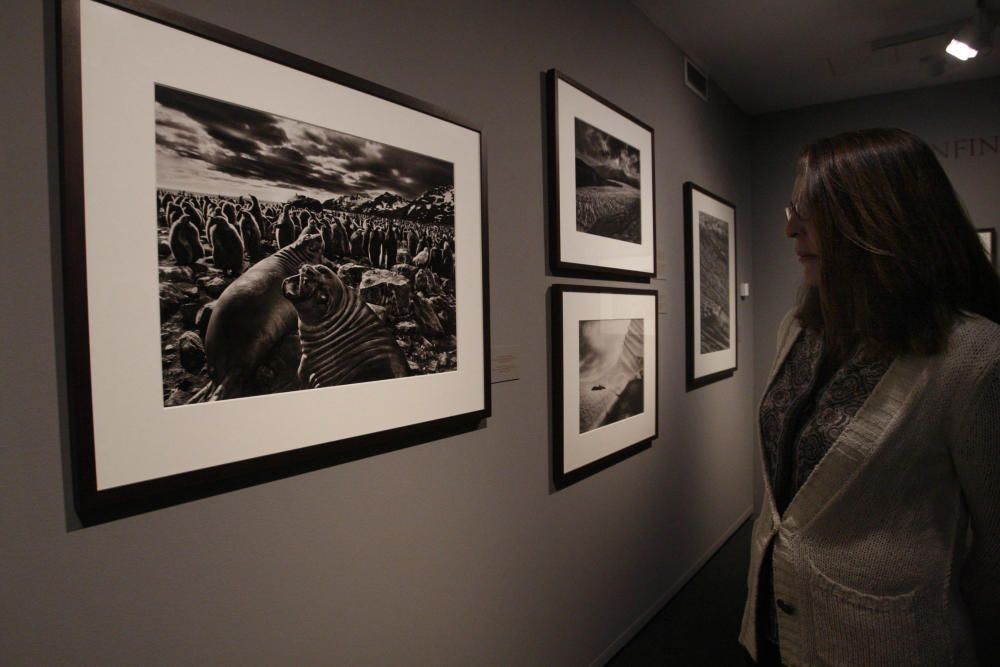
(975, 36)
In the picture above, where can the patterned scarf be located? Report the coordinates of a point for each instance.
(807, 407)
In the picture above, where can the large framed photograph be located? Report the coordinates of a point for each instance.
(604, 377)
(601, 184)
(270, 265)
(710, 267)
(988, 237)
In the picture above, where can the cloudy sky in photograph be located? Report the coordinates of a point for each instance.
(599, 149)
(206, 145)
(601, 344)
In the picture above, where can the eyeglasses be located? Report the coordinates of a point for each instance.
(791, 210)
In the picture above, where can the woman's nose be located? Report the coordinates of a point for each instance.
(793, 226)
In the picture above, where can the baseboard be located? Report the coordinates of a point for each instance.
(632, 630)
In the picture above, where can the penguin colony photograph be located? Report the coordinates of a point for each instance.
(293, 257)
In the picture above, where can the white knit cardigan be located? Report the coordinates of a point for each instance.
(889, 554)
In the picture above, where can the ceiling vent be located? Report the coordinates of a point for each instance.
(695, 79)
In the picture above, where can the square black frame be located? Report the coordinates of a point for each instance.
(557, 260)
(562, 478)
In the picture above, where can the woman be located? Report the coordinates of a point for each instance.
(878, 542)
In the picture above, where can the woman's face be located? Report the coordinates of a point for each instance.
(800, 227)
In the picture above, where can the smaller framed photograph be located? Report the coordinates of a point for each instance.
(601, 184)
(710, 268)
(988, 236)
(604, 377)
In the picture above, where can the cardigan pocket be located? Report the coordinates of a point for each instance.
(855, 629)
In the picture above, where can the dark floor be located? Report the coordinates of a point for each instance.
(700, 625)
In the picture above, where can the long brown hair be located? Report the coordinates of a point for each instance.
(899, 258)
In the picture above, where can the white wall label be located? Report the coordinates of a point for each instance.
(505, 363)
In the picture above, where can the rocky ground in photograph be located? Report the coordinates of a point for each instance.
(415, 303)
(612, 211)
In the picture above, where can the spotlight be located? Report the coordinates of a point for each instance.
(959, 48)
(975, 36)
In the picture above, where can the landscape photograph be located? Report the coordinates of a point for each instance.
(714, 272)
(608, 201)
(293, 256)
(611, 371)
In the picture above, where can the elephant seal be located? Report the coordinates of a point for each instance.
(342, 340)
(251, 317)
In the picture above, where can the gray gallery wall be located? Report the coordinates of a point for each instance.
(454, 552)
(962, 122)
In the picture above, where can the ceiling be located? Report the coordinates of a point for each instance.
(773, 55)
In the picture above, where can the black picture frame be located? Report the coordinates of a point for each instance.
(711, 357)
(592, 434)
(625, 246)
(106, 480)
(988, 237)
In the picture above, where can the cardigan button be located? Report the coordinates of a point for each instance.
(785, 607)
